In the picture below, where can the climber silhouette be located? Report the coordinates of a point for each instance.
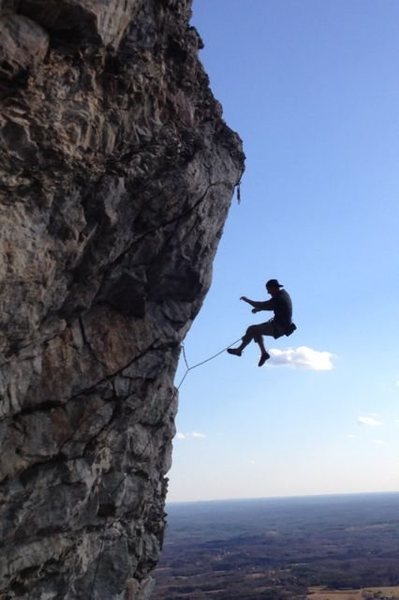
(281, 324)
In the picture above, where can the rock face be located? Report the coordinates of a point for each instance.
(117, 172)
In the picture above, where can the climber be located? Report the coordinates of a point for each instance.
(281, 324)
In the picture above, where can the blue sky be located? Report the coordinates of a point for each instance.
(313, 90)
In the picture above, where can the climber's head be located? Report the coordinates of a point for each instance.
(273, 286)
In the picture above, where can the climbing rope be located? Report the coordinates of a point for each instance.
(203, 362)
(112, 492)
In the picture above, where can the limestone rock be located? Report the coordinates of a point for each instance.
(116, 175)
(102, 22)
(23, 45)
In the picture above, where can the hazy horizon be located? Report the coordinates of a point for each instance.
(293, 497)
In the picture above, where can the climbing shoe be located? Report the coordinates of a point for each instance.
(234, 351)
(264, 357)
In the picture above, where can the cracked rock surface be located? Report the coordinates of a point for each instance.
(116, 175)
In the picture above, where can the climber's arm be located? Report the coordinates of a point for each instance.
(258, 305)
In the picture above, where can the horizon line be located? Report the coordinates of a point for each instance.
(292, 497)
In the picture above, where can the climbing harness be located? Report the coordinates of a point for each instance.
(177, 388)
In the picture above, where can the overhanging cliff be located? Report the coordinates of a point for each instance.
(117, 172)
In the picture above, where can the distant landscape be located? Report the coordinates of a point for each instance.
(313, 548)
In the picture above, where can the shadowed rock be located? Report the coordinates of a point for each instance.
(23, 45)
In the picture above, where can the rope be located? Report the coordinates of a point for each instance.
(185, 357)
(203, 362)
(111, 493)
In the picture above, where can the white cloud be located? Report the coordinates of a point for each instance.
(380, 442)
(351, 436)
(303, 357)
(369, 421)
(192, 435)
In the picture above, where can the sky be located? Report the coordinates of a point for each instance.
(312, 88)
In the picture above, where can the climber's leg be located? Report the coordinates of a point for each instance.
(254, 332)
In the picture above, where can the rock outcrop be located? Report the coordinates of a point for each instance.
(117, 172)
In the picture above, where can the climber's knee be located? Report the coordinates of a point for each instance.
(253, 333)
